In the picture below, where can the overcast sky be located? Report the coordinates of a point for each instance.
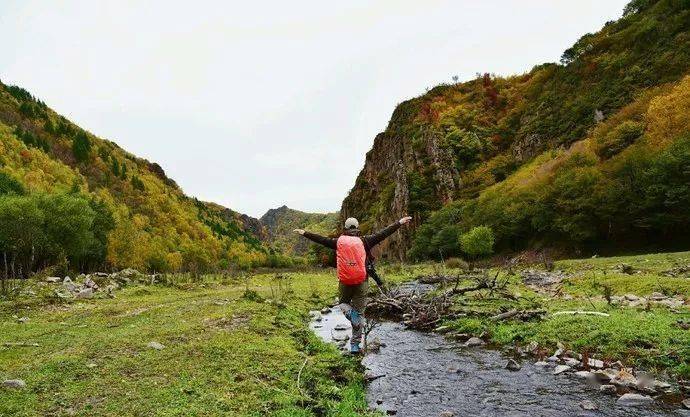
(258, 104)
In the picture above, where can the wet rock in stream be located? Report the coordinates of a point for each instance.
(416, 374)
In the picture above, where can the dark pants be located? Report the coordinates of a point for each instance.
(356, 297)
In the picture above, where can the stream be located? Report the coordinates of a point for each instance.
(417, 374)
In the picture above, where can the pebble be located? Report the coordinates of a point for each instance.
(588, 405)
(446, 414)
(631, 399)
(608, 389)
(22, 320)
(14, 383)
(541, 363)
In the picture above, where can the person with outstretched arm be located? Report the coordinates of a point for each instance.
(355, 264)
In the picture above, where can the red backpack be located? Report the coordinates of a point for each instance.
(351, 258)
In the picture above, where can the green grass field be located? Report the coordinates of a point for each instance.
(225, 354)
(236, 346)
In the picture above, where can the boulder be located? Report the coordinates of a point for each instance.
(584, 375)
(513, 365)
(85, 293)
(14, 383)
(474, 341)
(572, 362)
(89, 283)
(69, 285)
(595, 363)
(632, 399)
(624, 379)
(560, 369)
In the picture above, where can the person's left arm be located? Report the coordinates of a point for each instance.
(378, 237)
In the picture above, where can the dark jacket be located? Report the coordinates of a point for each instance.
(369, 242)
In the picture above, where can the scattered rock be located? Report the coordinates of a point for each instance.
(588, 405)
(89, 283)
(53, 279)
(85, 293)
(22, 320)
(624, 379)
(572, 362)
(541, 363)
(686, 403)
(446, 414)
(625, 268)
(608, 389)
(325, 310)
(69, 285)
(584, 374)
(532, 347)
(632, 399)
(156, 345)
(605, 375)
(315, 315)
(513, 365)
(560, 369)
(595, 363)
(474, 341)
(14, 383)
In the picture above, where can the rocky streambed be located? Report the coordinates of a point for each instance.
(416, 374)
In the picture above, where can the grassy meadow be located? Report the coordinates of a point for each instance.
(235, 346)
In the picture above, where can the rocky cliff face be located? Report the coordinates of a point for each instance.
(382, 190)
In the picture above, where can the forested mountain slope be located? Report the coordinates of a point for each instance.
(71, 199)
(280, 223)
(591, 153)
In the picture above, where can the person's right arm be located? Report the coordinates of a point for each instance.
(328, 242)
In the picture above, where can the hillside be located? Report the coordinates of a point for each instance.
(280, 223)
(71, 199)
(589, 154)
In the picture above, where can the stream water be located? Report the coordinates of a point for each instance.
(416, 374)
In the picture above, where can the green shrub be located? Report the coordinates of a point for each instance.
(478, 242)
(456, 263)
